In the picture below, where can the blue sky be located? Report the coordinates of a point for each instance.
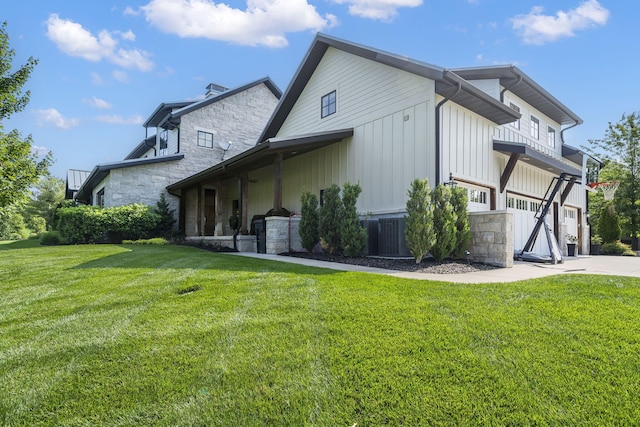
(105, 66)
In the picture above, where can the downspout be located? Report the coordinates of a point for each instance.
(512, 86)
(567, 128)
(440, 104)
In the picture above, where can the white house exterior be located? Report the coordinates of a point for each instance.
(187, 137)
(356, 114)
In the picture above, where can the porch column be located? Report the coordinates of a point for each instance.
(277, 183)
(244, 202)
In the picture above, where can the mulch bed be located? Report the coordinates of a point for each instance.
(400, 264)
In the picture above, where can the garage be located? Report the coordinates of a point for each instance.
(524, 211)
(571, 221)
(478, 197)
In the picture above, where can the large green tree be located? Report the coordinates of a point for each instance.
(620, 150)
(47, 197)
(20, 168)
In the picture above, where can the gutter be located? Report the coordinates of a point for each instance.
(502, 92)
(440, 104)
(567, 128)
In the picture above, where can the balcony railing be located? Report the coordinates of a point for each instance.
(509, 135)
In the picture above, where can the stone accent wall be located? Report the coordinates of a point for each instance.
(277, 234)
(492, 238)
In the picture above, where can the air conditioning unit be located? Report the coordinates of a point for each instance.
(371, 225)
(391, 241)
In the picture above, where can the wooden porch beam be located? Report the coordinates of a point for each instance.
(277, 182)
(508, 170)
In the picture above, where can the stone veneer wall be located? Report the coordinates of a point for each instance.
(277, 235)
(492, 238)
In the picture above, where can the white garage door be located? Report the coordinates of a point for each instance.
(478, 198)
(571, 220)
(524, 211)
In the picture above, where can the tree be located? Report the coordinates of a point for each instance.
(609, 224)
(459, 202)
(19, 167)
(330, 218)
(621, 146)
(444, 222)
(309, 222)
(166, 218)
(419, 232)
(47, 196)
(354, 236)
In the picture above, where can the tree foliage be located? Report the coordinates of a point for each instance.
(47, 196)
(330, 218)
(353, 235)
(419, 232)
(167, 220)
(609, 224)
(444, 222)
(309, 222)
(620, 150)
(19, 167)
(459, 201)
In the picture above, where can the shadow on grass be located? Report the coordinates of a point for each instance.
(189, 257)
(19, 244)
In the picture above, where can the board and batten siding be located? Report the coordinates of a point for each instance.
(383, 156)
(467, 145)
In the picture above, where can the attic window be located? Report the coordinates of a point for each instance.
(329, 104)
(205, 139)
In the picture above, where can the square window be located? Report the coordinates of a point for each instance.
(328, 104)
(515, 108)
(535, 128)
(551, 137)
(205, 139)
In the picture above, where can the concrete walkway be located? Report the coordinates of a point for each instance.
(610, 265)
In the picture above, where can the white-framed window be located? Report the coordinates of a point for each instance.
(534, 206)
(205, 139)
(522, 205)
(515, 108)
(570, 213)
(511, 202)
(535, 128)
(164, 143)
(551, 137)
(328, 104)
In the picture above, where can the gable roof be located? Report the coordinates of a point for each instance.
(162, 111)
(447, 82)
(102, 170)
(516, 81)
(142, 148)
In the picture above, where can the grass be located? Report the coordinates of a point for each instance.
(125, 335)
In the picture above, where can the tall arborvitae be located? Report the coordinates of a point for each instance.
(330, 218)
(354, 236)
(419, 232)
(309, 222)
(444, 222)
(459, 201)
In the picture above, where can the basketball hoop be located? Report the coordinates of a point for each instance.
(608, 188)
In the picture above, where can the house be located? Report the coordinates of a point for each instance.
(186, 137)
(357, 114)
(75, 179)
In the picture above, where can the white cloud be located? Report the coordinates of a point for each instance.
(127, 35)
(51, 116)
(536, 28)
(130, 11)
(74, 40)
(98, 103)
(39, 150)
(382, 10)
(97, 79)
(115, 119)
(263, 22)
(120, 76)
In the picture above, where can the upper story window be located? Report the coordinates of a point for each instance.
(551, 137)
(535, 128)
(164, 142)
(100, 198)
(515, 108)
(328, 104)
(205, 139)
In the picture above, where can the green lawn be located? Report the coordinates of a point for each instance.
(168, 335)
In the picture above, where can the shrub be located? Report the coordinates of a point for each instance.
(52, 238)
(309, 222)
(134, 222)
(609, 224)
(152, 241)
(463, 237)
(330, 218)
(82, 224)
(444, 222)
(419, 232)
(166, 221)
(353, 235)
(12, 226)
(616, 248)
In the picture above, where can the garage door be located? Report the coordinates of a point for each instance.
(571, 220)
(478, 198)
(524, 211)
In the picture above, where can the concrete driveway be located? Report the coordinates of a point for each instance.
(610, 265)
